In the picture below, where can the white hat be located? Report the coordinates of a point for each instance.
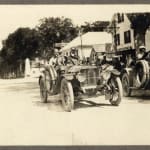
(142, 47)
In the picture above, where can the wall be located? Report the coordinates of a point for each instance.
(86, 51)
(121, 28)
(147, 39)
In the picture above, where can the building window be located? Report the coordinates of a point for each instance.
(120, 17)
(127, 37)
(117, 39)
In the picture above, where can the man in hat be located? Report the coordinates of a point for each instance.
(142, 52)
(73, 58)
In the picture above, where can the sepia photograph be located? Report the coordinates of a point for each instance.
(75, 75)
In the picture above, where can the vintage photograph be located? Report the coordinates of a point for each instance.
(75, 74)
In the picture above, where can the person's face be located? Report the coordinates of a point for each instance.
(55, 54)
(142, 50)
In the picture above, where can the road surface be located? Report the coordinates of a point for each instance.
(27, 121)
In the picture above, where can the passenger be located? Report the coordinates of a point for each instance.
(53, 59)
(142, 52)
(56, 59)
(60, 59)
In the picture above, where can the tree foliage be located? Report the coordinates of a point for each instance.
(23, 43)
(140, 21)
(95, 26)
(29, 43)
(55, 30)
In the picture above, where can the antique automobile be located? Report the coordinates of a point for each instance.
(136, 75)
(71, 82)
(131, 35)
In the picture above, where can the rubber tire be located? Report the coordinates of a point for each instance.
(140, 84)
(126, 81)
(68, 104)
(148, 74)
(119, 85)
(43, 90)
(51, 79)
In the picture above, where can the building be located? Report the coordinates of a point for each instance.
(99, 50)
(85, 43)
(130, 30)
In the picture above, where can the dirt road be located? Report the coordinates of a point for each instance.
(27, 121)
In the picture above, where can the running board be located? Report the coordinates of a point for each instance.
(89, 87)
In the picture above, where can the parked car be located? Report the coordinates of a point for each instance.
(136, 75)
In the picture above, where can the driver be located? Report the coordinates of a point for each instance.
(73, 58)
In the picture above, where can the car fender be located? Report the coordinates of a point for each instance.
(115, 72)
(40, 77)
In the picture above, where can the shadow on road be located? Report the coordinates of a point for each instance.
(56, 105)
(86, 104)
(141, 96)
(142, 99)
(51, 106)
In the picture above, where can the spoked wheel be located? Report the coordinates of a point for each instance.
(67, 95)
(115, 91)
(126, 85)
(49, 83)
(43, 90)
(46, 86)
(142, 74)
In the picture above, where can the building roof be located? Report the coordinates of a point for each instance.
(89, 39)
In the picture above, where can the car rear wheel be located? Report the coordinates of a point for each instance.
(43, 90)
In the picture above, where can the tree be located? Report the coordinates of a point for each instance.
(55, 30)
(23, 43)
(140, 22)
(95, 26)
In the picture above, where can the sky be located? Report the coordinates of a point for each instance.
(15, 16)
